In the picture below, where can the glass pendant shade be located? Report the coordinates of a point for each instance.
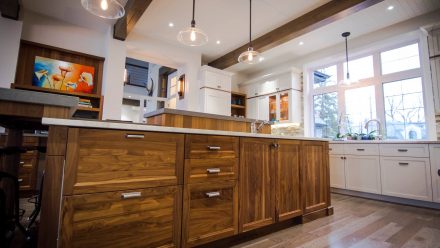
(249, 57)
(192, 36)
(109, 9)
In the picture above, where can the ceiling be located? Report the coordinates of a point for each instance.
(227, 21)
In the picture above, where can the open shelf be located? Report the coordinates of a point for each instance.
(238, 104)
(88, 109)
(35, 88)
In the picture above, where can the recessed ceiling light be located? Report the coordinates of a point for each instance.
(391, 7)
(170, 24)
(218, 42)
(301, 43)
(261, 59)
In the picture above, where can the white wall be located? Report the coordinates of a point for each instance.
(183, 59)
(46, 30)
(10, 34)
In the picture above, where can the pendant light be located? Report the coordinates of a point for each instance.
(192, 36)
(109, 9)
(250, 56)
(347, 81)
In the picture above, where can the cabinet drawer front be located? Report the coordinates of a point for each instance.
(405, 150)
(361, 149)
(210, 212)
(204, 170)
(108, 160)
(145, 218)
(336, 148)
(209, 146)
(406, 177)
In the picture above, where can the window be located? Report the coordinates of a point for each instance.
(404, 111)
(360, 68)
(324, 77)
(400, 59)
(360, 106)
(325, 109)
(396, 100)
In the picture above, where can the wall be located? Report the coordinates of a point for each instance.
(10, 31)
(183, 59)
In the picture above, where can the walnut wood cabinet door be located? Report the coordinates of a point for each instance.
(288, 198)
(257, 199)
(148, 217)
(315, 175)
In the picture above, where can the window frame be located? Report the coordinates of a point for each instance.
(377, 81)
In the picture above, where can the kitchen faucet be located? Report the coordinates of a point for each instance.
(255, 129)
(379, 127)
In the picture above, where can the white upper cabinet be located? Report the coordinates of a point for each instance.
(214, 78)
(216, 102)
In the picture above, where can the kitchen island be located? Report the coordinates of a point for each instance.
(111, 184)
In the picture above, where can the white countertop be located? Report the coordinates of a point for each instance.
(144, 127)
(384, 142)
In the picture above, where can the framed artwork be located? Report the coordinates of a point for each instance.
(63, 76)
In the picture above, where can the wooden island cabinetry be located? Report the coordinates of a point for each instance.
(115, 188)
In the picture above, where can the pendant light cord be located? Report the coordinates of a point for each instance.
(250, 23)
(346, 56)
(193, 22)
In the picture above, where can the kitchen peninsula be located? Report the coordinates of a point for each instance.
(190, 119)
(132, 185)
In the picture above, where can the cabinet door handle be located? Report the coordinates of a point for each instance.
(219, 87)
(20, 180)
(214, 148)
(330, 149)
(213, 170)
(275, 145)
(402, 150)
(401, 163)
(342, 157)
(213, 194)
(438, 172)
(134, 136)
(360, 149)
(131, 195)
(21, 162)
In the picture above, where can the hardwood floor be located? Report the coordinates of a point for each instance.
(360, 223)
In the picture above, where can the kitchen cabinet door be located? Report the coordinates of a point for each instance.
(252, 108)
(315, 176)
(136, 218)
(337, 171)
(217, 102)
(362, 173)
(406, 177)
(434, 151)
(257, 199)
(263, 108)
(288, 185)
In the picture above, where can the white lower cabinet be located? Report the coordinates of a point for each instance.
(406, 177)
(362, 173)
(434, 150)
(337, 171)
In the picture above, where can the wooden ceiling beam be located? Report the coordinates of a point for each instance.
(319, 17)
(134, 9)
(10, 9)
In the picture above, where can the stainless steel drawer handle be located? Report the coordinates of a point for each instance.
(134, 136)
(21, 162)
(20, 180)
(360, 149)
(214, 148)
(401, 163)
(213, 170)
(330, 149)
(402, 150)
(131, 195)
(213, 194)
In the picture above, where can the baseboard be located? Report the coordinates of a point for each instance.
(385, 198)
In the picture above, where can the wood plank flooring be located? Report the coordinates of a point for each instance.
(360, 223)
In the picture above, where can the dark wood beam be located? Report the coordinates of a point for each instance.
(10, 9)
(134, 9)
(319, 17)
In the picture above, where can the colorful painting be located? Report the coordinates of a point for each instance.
(61, 75)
